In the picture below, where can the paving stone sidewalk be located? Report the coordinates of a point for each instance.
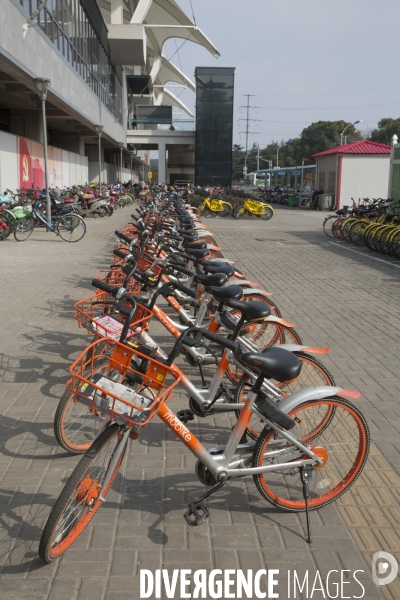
(339, 298)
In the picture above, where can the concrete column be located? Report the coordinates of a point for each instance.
(162, 166)
(117, 7)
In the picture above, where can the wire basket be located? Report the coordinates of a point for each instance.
(130, 387)
(97, 315)
(116, 278)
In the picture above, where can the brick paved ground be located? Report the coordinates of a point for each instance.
(338, 298)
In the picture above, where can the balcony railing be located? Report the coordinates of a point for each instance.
(162, 124)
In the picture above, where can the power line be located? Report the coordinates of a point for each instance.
(362, 106)
(325, 93)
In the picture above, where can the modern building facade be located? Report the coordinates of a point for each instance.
(104, 59)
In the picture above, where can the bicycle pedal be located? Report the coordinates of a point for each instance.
(185, 415)
(196, 514)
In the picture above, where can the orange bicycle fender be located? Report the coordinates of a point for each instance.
(348, 394)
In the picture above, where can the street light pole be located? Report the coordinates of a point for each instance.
(42, 85)
(347, 126)
(99, 129)
(121, 146)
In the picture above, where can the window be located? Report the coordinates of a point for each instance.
(331, 182)
(321, 181)
(67, 25)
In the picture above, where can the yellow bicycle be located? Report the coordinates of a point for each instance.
(262, 210)
(218, 207)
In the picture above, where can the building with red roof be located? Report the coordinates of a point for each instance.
(357, 170)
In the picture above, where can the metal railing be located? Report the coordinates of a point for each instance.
(162, 124)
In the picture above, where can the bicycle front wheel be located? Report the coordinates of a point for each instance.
(80, 499)
(71, 228)
(266, 214)
(343, 448)
(24, 228)
(75, 426)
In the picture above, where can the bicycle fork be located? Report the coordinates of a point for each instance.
(114, 461)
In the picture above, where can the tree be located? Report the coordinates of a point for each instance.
(324, 135)
(238, 155)
(386, 129)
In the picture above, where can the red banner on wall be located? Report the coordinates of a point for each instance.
(25, 164)
(37, 161)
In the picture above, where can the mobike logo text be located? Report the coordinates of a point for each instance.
(167, 324)
(179, 427)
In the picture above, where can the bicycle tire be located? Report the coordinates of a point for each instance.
(369, 235)
(227, 211)
(345, 226)
(23, 228)
(67, 224)
(4, 233)
(271, 335)
(328, 224)
(82, 488)
(356, 233)
(70, 414)
(202, 209)
(341, 467)
(395, 244)
(381, 241)
(267, 215)
(336, 228)
(313, 374)
(395, 229)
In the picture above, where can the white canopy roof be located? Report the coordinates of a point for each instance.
(167, 97)
(166, 20)
(169, 72)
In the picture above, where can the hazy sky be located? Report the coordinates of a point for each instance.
(304, 61)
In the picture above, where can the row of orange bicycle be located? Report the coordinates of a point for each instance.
(299, 435)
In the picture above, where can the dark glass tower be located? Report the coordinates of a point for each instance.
(214, 125)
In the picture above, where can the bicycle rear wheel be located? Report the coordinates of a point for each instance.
(71, 228)
(328, 224)
(24, 228)
(343, 448)
(312, 374)
(80, 499)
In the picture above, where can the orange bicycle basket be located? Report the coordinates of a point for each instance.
(130, 387)
(97, 315)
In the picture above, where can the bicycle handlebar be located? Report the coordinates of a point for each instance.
(124, 237)
(105, 287)
(220, 340)
(120, 254)
(180, 269)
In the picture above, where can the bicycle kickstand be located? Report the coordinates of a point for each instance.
(197, 512)
(305, 475)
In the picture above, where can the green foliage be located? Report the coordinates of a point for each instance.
(315, 138)
(386, 129)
